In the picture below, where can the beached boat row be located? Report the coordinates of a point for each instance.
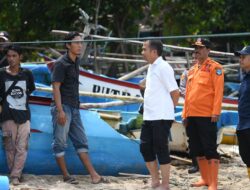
(110, 151)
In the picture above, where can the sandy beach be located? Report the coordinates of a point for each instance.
(232, 176)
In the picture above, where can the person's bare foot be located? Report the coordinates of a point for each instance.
(95, 178)
(155, 183)
(162, 187)
(15, 181)
(99, 179)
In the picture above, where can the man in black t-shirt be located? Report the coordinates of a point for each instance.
(65, 111)
(16, 84)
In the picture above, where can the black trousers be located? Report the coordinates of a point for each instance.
(202, 135)
(244, 145)
(154, 140)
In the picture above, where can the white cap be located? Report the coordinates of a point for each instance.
(4, 36)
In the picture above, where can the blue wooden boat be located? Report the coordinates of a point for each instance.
(226, 126)
(89, 82)
(110, 151)
(4, 183)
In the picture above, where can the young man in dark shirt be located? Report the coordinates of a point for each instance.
(65, 113)
(16, 84)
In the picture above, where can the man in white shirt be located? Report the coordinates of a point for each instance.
(160, 98)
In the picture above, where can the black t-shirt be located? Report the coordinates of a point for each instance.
(15, 103)
(66, 72)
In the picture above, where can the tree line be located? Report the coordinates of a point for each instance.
(28, 20)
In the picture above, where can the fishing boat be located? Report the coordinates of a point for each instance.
(89, 82)
(42, 77)
(4, 183)
(105, 146)
(226, 126)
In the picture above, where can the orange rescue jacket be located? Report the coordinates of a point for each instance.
(204, 90)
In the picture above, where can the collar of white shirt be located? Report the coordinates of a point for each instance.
(157, 61)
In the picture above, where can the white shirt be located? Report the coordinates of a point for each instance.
(160, 81)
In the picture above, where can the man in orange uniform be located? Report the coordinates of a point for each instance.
(183, 82)
(204, 93)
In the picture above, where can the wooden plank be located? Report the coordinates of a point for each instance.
(110, 116)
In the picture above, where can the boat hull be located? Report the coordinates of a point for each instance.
(110, 152)
(4, 183)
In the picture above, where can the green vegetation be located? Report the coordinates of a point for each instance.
(29, 20)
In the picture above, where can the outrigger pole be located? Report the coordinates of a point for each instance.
(172, 47)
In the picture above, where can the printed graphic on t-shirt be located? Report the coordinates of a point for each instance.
(17, 96)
